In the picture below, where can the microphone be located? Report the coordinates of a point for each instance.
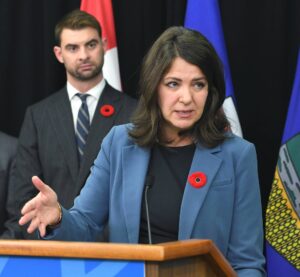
(149, 184)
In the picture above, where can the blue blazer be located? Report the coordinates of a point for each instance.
(226, 210)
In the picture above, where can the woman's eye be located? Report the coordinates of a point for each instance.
(199, 85)
(172, 84)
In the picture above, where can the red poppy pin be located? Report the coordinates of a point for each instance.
(197, 179)
(107, 110)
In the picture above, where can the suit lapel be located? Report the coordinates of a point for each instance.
(99, 128)
(135, 162)
(62, 121)
(204, 161)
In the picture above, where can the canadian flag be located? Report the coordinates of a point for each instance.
(102, 10)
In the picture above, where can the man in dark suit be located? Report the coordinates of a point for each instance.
(8, 148)
(51, 143)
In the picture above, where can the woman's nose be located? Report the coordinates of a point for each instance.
(185, 96)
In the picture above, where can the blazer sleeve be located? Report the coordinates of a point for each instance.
(246, 247)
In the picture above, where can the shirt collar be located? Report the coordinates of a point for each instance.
(96, 91)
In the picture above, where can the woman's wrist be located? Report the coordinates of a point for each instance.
(57, 222)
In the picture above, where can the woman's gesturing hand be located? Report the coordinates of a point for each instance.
(42, 210)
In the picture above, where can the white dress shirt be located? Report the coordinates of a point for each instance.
(92, 100)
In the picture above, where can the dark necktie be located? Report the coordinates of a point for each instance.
(82, 125)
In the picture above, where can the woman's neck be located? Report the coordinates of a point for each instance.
(176, 141)
(172, 138)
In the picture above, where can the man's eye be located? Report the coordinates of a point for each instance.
(72, 48)
(92, 45)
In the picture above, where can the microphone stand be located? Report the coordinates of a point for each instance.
(148, 186)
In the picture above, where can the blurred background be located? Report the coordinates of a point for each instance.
(262, 39)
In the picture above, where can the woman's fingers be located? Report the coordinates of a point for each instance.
(40, 185)
(47, 193)
(27, 217)
(29, 206)
(37, 202)
(34, 203)
(38, 210)
(34, 224)
(42, 229)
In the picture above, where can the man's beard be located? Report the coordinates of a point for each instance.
(86, 76)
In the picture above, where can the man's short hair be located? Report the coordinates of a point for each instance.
(76, 20)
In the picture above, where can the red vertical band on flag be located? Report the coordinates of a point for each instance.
(102, 10)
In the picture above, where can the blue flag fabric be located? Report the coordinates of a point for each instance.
(292, 125)
(204, 16)
(283, 211)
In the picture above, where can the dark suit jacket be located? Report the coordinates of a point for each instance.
(47, 148)
(8, 147)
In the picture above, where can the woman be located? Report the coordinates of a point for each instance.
(178, 159)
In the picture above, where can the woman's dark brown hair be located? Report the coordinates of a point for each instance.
(194, 48)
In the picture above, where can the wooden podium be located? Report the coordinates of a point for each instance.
(180, 258)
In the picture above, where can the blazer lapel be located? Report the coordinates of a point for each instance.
(135, 162)
(99, 128)
(204, 161)
(62, 121)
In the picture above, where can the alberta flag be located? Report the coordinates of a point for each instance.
(283, 211)
(204, 16)
(103, 11)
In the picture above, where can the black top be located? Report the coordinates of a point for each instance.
(169, 168)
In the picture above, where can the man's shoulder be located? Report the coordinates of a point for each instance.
(122, 95)
(53, 99)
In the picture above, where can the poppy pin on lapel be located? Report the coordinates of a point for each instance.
(197, 179)
(107, 110)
